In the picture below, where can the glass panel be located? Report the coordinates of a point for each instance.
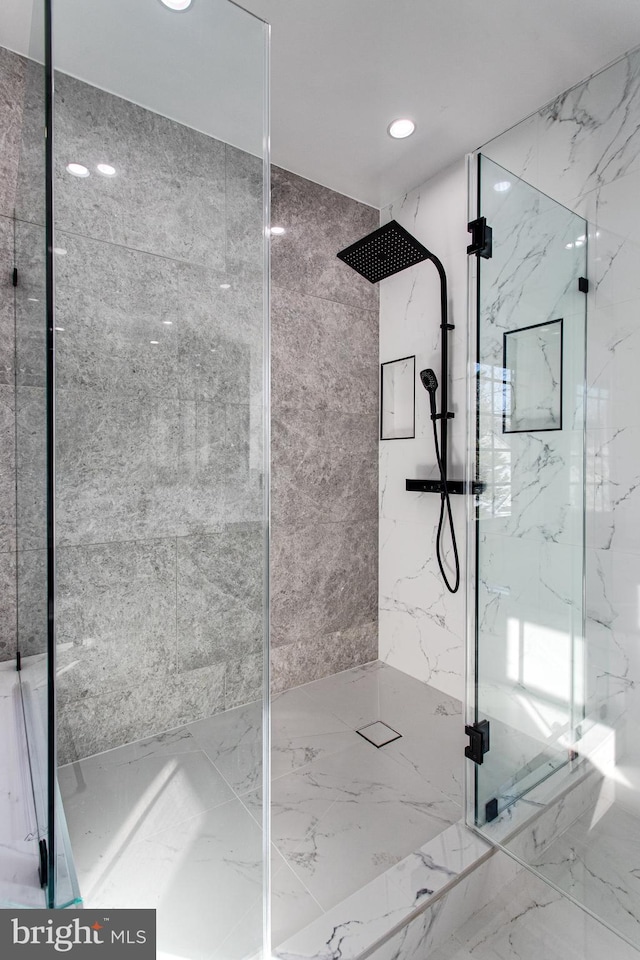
(23, 493)
(529, 665)
(160, 290)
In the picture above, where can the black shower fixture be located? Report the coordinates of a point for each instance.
(377, 256)
(384, 252)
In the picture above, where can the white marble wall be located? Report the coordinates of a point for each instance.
(421, 624)
(582, 149)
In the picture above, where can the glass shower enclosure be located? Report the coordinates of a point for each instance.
(527, 533)
(135, 229)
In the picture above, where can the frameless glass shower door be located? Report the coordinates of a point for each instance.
(527, 674)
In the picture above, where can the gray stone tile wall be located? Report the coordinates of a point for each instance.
(324, 473)
(159, 444)
(159, 316)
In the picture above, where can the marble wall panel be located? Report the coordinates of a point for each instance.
(582, 149)
(421, 624)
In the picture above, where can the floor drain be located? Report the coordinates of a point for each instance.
(379, 734)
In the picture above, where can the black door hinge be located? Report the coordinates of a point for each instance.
(15, 276)
(478, 734)
(44, 863)
(491, 810)
(583, 285)
(481, 238)
(18, 661)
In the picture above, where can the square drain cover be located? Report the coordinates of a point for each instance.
(378, 733)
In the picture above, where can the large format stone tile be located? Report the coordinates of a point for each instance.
(7, 291)
(245, 210)
(202, 877)
(7, 469)
(219, 596)
(32, 601)
(167, 196)
(324, 468)
(116, 616)
(528, 920)
(118, 317)
(7, 606)
(243, 679)
(125, 466)
(97, 723)
(30, 304)
(124, 795)
(233, 741)
(324, 579)
(220, 333)
(31, 468)
(322, 655)
(12, 77)
(324, 354)
(345, 816)
(319, 223)
(30, 202)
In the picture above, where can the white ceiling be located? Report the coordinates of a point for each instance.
(464, 70)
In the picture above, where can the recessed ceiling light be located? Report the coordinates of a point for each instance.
(60, 251)
(401, 128)
(502, 185)
(277, 231)
(177, 4)
(106, 170)
(168, 323)
(61, 329)
(77, 170)
(154, 341)
(225, 286)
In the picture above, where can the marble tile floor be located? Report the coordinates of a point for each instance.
(528, 920)
(174, 821)
(19, 882)
(597, 859)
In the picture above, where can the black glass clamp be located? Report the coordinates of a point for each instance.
(481, 238)
(478, 734)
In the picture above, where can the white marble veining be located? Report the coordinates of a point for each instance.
(421, 625)
(357, 923)
(529, 920)
(166, 821)
(582, 149)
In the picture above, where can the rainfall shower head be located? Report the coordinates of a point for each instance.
(384, 252)
(429, 380)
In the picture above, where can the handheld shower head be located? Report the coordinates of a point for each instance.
(429, 380)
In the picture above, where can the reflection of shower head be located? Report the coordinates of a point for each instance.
(429, 380)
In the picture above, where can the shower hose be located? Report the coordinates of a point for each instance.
(445, 504)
